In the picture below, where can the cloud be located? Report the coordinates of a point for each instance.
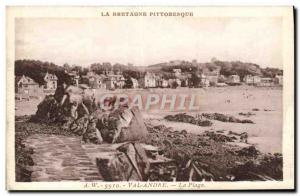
(149, 40)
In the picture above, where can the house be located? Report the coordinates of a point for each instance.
(164, 83)
(279, 80)
(252, 80)
(266, 82)
(185, 82)
(149, 80)
(187, 79)
(120, 81)
(178, 81)
(212, 75)
(94, 80)
(204, 82)
(174, 83)
(26, 87)
(114, 81)
(177, 72)
(109, 83)
(184, 79)
(233, 80)
(135, 83)
(50, 82)
(74, 77)
(197, 80)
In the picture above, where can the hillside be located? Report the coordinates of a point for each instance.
(35, 69)
(226, 68)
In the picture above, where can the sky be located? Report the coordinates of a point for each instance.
(149, 40)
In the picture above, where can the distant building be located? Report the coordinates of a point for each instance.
(50, 82)
(74, 77)
(108, 72)
(26, 87)
(114, 81)
(135, 83)
(201, 81)
(212, 75)
(177, 72)
(149, 80)
(173, 82)
(110, 83)
(252, 80)
(187, 79)
(233, 80)
(279, 80)
(94, 80)
(204, 82)
(178, 81)
(266, 82)
(162, 83)
(183, 80)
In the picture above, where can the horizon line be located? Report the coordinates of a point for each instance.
(132, 64)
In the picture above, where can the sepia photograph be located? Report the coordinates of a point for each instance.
(150, 98)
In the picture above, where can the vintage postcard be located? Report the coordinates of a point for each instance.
(150, 98)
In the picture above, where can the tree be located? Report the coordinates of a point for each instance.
(36, 70)
(222, 79)
(76, 68)
(174, 84)
(67, 67)
(132, 74)
(271, 72)
(195, 80)
(183, 83)
(100, 68)
(128, 82)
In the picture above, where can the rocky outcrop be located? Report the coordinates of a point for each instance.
(225, 118)
(213, 155)
(183, 117)
(82, 117)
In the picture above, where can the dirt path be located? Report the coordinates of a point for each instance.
(61, 158)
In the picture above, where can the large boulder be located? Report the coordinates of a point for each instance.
(76, 110)
(47, 110)
(92, 134)
(123, 124)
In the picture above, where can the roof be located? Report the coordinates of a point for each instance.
(27, 79)
(18, 78)
(84, 86)
(72, 74)
(115, 76)
(47, 75)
